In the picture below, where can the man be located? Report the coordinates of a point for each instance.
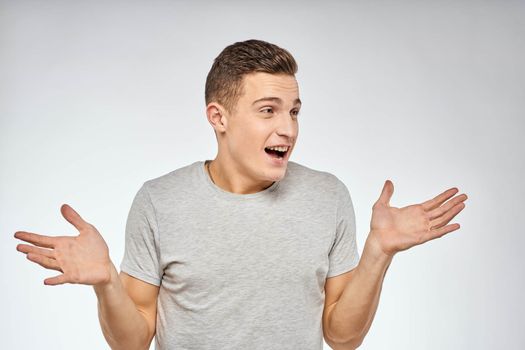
(249, 250)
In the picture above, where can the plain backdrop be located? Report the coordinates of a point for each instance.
(97, 97)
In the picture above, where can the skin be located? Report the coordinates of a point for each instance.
(352, 298)
(265, 115)
(127, 306)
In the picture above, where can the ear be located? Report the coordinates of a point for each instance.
(216, 114)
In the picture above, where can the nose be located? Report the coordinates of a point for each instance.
(287, 126)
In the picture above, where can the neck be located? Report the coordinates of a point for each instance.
(231, 179)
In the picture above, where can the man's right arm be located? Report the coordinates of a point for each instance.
(127, 309)
(127, 306)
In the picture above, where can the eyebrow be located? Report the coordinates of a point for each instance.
(276, 100)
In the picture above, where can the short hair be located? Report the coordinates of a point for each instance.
(224, 80)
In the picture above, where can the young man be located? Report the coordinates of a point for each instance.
(249, 250)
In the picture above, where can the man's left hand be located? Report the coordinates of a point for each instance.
(396, 229)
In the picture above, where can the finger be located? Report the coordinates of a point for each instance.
(53, 281)
(440, 232)
(386, 193)
(73, 217)
(36, 239)
(24, 248)
(439, 199)
(446, 207)
(43, 261)
(445, 218)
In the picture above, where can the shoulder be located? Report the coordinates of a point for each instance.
(178, 180)
(321, 182)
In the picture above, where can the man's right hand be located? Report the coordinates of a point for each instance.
(82, 259)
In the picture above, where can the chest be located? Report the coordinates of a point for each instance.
(242, 246)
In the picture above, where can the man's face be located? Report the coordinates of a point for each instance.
(264, 117)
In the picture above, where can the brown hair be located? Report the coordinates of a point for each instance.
(224, 81)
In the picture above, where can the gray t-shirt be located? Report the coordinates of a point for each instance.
(240, 271)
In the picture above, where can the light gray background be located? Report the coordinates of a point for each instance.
(97, 97)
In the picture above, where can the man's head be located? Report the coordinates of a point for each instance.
(252, 101)
(224, 81)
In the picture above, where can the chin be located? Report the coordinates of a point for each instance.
(276, 174)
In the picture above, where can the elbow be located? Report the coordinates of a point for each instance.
(129, 344)
(127, 347)
(348, 345)
(349, 342)
(355, 343)
(349, 338)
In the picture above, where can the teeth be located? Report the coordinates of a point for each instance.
(280, 149)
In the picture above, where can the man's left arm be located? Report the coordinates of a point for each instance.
(348, 319)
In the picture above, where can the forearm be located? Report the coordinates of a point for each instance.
(353, 313)
(122, 324)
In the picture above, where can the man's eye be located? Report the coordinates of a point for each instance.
(267, 110)
(295, 112)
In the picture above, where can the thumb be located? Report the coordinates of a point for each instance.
(386, 193)
(72, 216)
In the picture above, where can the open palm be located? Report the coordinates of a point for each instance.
(82, 259)
(397, 229)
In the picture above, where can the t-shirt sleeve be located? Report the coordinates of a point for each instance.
(141, 252)
(343, 255)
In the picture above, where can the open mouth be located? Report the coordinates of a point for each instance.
(277, 152)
